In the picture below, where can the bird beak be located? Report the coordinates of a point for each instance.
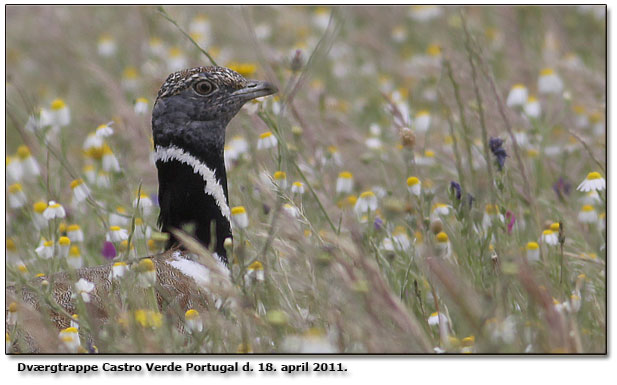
(255, 89)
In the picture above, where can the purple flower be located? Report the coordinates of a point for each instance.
(456, 188)
(109, 250)
(561, 187)
(500, 153)
(378, 223)
(511, 220)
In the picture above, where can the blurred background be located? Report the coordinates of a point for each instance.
(370, 94)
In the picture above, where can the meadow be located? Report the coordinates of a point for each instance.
(427, 180)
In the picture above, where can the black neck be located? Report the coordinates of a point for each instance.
(183, 201)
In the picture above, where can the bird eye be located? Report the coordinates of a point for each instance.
(204, 87)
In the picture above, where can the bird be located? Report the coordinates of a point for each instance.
(189, 119)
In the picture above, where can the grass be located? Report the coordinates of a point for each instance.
(354, 83)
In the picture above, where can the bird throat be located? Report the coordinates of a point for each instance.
(193, 194)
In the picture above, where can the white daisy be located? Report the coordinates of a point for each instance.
(414, 185)
(587, 214)
(594, 181)
(517, 96)
(239, 217)
(365, 203)
(549, 82)
(344, 183)
(533, 252)
(54, 210)
(84, 288)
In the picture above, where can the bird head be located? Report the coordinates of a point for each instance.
(198, 103)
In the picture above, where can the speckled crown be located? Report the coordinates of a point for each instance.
(179, 81)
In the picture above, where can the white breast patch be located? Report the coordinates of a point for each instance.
(192, 269)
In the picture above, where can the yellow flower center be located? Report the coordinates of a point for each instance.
(468, 341)
(74, 251)
(238, 210)
(419, 236)
(57, 104)
(596, 117)
(256, 266)
(532, 246)
(107, 150)
(547, 72)
(145, 265)
(14, 188)
(491, 209)
(442, 237)
(23, 152)
(412, 181)
(191, 314)
(345, 175)
(367, 194)
(265, 135)
(244, 69)
(76, 183)
(439, 206)
(148, 318)
(349, 201)
(587, 208)
(130, 73)
(280, 175)
(175, 52)
(10, 245)
(433, 50)
(594, 175)
(578, 109)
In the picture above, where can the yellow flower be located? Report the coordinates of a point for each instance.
(191, 314)
(130, 73)
(148, 318)
(57, 104)
(244, 69)
(145, 265)
(433, 50)
(412, 181)
(442, 237)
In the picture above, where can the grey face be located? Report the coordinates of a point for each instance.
(196, 104)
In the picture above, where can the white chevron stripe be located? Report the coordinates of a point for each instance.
(213, 187)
